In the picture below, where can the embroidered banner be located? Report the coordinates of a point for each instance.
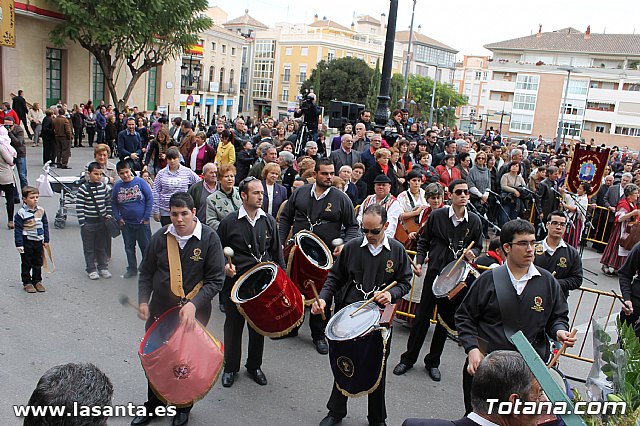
(587, 166)
(7, 23)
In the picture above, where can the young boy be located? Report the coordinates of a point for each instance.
(31, 234)
(93, 203)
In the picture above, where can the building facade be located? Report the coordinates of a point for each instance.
(470, 79)
(528, 77)
(429, 57)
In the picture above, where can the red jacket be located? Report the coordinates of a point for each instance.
(11, 114)
(445, 179)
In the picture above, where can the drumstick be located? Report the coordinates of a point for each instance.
(554, 274)
(387, 288)
(125, 301)
(562, 349)
(315, 295)
(620, 298)
(228, 252)
(455, 265)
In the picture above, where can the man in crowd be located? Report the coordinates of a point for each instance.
(269, 155)
(382, 196)
(325, 211)
(515, 296)
(360, 139)
(62, 131)
(345, 155)
(449, 149)
(201, 190)
(368, 157)
(600, 219)
(356, 178)
(547, 195)
(20, 107)
(365, 118)
(130, 144)
(240, 135)
(349, 187)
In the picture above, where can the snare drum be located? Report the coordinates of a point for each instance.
(357, 347)
(181, 364)
(269, 301)
(309, 261)
(452, 285)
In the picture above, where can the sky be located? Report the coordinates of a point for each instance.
(464, 25)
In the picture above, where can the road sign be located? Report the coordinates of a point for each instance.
(190, 100)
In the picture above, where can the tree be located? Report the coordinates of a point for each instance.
(374, 88)
(344, 79)
(138, 34)
(420, 89)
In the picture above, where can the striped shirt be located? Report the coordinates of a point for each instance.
(31, 225)
(168, 183)
(85, 206)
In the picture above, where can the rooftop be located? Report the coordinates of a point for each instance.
(246, 20)
(328, 23)
(403, 37)
(573, 41)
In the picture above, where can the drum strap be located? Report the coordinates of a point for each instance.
(175, 271)
(507, 300)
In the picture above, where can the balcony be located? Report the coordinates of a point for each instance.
(243, 85)
(227, 88)
(188, 83)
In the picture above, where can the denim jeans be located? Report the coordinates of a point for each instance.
(100, 135)
(21, 164)
(132, 233)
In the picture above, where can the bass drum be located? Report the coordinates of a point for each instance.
(309, 262)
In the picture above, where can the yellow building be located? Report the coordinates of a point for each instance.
(286, 56)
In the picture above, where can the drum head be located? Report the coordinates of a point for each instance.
(314, 250)
(162, 332)
(443, 284)
(255, 282)
(343, 326)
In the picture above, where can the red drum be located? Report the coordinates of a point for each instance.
(181, 365)
(309, 261)
(269, 301)
(403, 307)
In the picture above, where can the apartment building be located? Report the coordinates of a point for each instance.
(528, 77)
(471, 77)
(429, 57)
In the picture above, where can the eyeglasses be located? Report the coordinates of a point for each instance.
(371, 231)
(461, 191)
(524, 244)
(554, 223)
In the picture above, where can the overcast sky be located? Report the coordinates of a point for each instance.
(464, 25)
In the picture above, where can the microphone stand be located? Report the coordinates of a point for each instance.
(497, 197)
(542, 230)
(493, 225)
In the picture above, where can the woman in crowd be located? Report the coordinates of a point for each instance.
(398, 168)
(464, 163)
(413, 200)
(311, 150)
(156, 154)
(577, 208)
(101, 155)
(226, 199)
(35, 117)
(413, 133)
(280, 137)
(394, 128)
(626, 211)
(8, 155)
(421, 146)
(381, 166)
(90, 124)
(274, 193)
(77, 121)
(173, 178)
(512, 203)
(143, 130)
(111, 132)
(288, 173)
(447, 171)
(479, 181)
(200, 153)
(226, 152)
(291, 131)
(428, 173)
(404, 157)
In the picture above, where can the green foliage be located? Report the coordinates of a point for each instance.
(374, 88)
(344, 79)
(138, 34)
(420, 89)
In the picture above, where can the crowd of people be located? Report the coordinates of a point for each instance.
(254, 188)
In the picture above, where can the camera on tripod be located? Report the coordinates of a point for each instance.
(306, 103)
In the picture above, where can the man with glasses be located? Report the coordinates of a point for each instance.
(323, 210)
(447, 233)
(433, 147)
(560, 259)
(515, 296)
(366, 265)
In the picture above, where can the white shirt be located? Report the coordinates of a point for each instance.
(182, 241)
(393, 214)
(480, 420)
(454, 218)
(194, 156)
(520, 284)
(270, 195)
(324, 194)
(550, 250)
(405, 198)
(376, 250)
(243, 213)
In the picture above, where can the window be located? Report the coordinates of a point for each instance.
(213, 46)
(231, 78)
(331, 54)
(599, 129)
(151, 89)
(233, 51)
(54, 76)
(221, 75)
(578, 87)
(212, 73)
(303, 74)
(224, 49)
(628, 131)
(525, 102)
(98, 81)
(571, 129)
(304, 51)
(527, 82)
(265, 49)
(286, 77)
(285, 95)
(288, 51)
(572, 109)
(350, 54)
(245, 52)
(521, 123)
(478, 75)
(601, 106)
(484, 76)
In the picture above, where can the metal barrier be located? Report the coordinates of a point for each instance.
(603, 219)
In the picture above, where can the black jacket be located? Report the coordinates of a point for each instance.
(375, 170)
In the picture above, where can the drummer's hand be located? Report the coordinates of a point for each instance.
(383, 298)
(417, 270)
(316, 308)
(338, 250)
(470, 256)
(143, 311)
(475, 357)
(564, 338)
(627, 308)
(188, 315)
(230, 270)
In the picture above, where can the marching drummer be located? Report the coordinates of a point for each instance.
(446, 235)
(325, 211)
(366, 265)
(202, 262)
(253, 237)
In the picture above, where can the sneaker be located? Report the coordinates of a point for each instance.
(94, 275)
(130, 273)
(104, 273)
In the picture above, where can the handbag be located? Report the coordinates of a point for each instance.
(110, 222)
(44, 186)
(630, 236)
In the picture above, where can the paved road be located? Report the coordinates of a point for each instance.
(79, 320)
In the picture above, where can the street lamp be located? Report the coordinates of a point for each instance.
(561, 134)
(190, 78)
(382, 112)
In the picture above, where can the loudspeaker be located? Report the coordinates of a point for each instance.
(354, 112)
(338, 113)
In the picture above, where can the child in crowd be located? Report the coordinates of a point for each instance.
(31, 234)
(93, 204)
(144, 174)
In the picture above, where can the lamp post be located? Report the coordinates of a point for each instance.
(433, 96)
(190, 76)
(561, 134)
(382, 112)
(406, 68)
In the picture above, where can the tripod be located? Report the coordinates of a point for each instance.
(303, 138)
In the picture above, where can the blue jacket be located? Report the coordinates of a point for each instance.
(31, 225)
(129, 143)
(101, 120)
(132, 201)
